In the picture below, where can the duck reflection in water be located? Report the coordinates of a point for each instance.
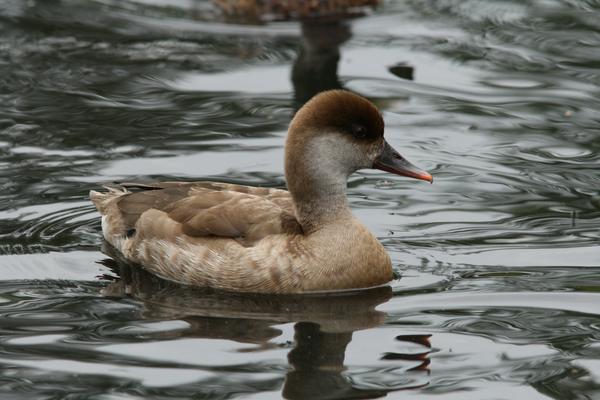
(315, 68)
(325, 27)
(324, 326)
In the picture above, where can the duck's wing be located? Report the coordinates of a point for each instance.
(198, 209)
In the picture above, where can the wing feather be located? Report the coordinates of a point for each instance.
(213, 209)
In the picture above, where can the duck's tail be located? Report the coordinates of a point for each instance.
(113, 226)
(104, 200)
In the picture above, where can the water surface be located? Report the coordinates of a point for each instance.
(499, 259)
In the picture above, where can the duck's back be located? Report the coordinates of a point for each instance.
(202, 208)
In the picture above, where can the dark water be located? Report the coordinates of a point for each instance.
(499, 259)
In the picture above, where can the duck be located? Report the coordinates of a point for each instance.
(260, 10)
(240, 238)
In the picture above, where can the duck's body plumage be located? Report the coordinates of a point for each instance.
(236, 237)
(252, 239)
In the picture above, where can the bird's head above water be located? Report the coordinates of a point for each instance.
(334, 134)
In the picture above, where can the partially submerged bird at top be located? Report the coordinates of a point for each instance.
(264, 240)
(265, 10)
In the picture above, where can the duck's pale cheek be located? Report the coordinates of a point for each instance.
(376, 150)
(333, 156)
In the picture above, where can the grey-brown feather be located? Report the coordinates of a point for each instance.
(213, 209)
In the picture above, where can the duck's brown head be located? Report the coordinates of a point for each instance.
(336, 133)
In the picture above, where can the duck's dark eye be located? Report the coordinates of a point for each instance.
(359, 131)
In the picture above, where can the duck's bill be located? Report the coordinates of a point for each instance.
(391, 161)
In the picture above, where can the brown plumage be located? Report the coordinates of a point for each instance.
(252, 239)
(253, 10)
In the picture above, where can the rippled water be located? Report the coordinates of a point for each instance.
(499, 259)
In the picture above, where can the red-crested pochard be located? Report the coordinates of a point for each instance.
(252, 239)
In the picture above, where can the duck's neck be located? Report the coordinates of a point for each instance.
(317, 184)
(320, 205)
